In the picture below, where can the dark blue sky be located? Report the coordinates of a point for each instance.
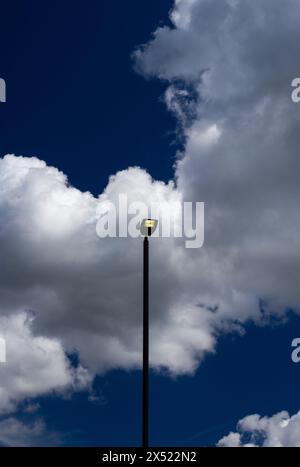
(74, 100)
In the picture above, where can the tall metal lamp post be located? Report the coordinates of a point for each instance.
(148, 226)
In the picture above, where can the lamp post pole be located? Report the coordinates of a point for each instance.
(145, 341)
(148, 226)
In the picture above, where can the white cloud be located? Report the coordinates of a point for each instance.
(35, 365)
(15, 433)
(84, 290)
(241, 143)
(280, 430)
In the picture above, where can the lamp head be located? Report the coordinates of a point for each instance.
(148, 226)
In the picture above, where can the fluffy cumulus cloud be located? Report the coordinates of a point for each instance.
(15, 433)
(228, 67)
(35, 365)
(280, 430)
(86, 291)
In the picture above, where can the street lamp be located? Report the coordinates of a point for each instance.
(148, 226)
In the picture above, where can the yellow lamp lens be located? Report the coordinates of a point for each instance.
(149, 223)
